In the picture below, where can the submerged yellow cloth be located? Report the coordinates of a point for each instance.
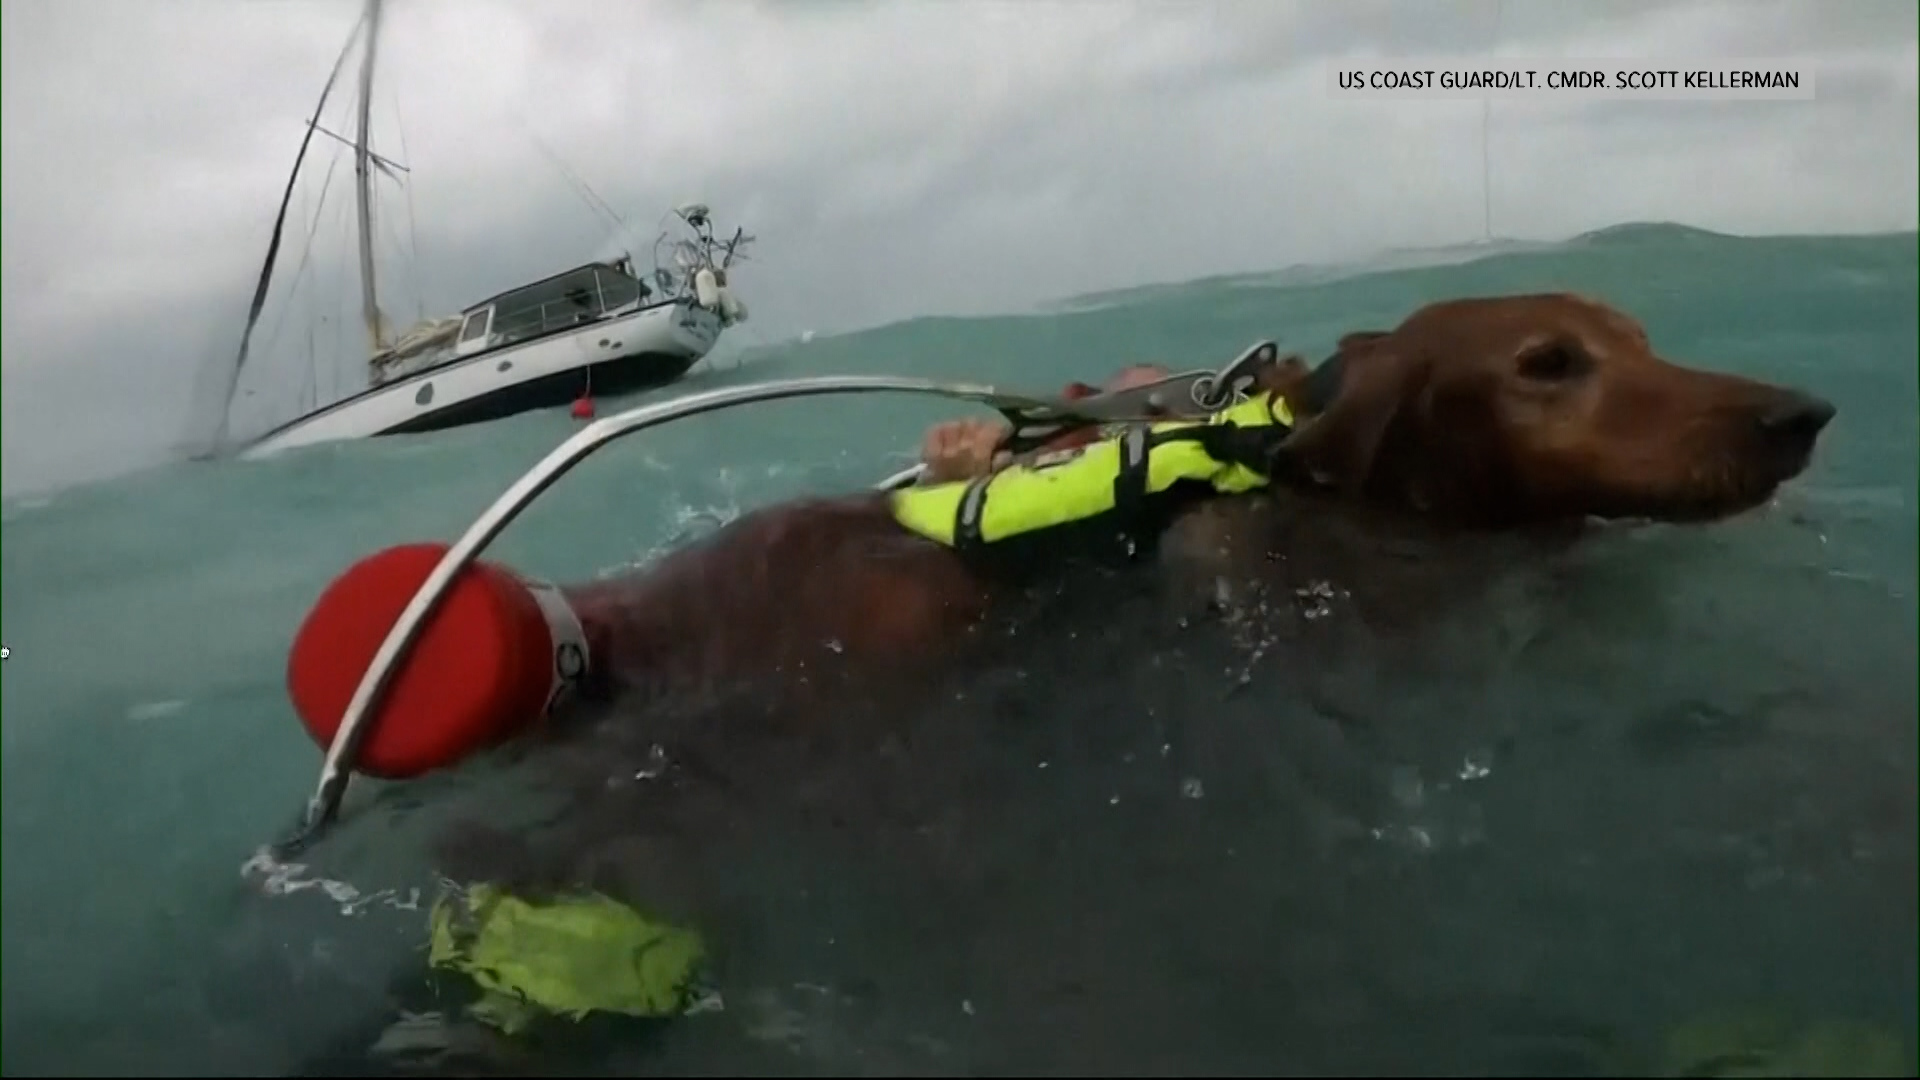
(570, 957)
(1761, 1044)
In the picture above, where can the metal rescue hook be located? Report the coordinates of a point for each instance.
(1035, 420)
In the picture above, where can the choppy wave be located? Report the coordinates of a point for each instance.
(1675, 772)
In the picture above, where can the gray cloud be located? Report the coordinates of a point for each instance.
(896, 158)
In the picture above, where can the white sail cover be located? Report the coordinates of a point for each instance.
(425, 337)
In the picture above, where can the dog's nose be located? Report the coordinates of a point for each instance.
(1796, 416)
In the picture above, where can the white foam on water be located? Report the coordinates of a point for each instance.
(277, 878)
(155, 710)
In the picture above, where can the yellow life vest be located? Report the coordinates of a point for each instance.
(1226, 451)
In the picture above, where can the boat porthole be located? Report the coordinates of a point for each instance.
(603, 343)
(425, 395)
(504, 365)
(616, 344)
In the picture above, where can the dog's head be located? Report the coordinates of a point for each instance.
(1526, 409)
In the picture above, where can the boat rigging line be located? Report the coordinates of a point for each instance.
(384, 164)
(306, 252)
(573, 179)
(413, 232)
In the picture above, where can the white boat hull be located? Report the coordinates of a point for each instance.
(647, 347)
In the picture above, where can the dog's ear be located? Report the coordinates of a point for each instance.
(1342, 445)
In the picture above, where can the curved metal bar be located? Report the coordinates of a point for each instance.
(906, 477)
(337, 770)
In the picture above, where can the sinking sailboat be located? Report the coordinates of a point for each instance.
(602, 327)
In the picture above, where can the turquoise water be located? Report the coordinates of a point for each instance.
(1681, 779)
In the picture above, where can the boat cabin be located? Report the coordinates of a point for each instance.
(585, 294)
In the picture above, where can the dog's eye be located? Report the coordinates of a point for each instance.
(1552, 363)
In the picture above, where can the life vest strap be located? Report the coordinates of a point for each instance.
(1123, 479)
(966, 525)
(1130, 483)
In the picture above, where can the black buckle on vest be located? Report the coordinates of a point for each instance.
(1139, 524)
(1253, 447)
(966, 524)
(1130, 483)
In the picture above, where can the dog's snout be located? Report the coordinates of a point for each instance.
(1796, 417)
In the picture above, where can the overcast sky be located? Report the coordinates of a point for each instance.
(895, 158)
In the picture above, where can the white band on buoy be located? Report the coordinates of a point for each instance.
(567, 638)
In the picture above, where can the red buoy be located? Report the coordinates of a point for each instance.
(583, 408)
(490, 660)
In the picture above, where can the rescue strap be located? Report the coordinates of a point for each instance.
(1229, 452)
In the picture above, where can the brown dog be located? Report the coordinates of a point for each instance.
(1493, 418)
(1514, 411)
(1480, 432)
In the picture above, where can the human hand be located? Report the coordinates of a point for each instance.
(963, 449)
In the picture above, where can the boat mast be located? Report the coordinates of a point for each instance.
(363, 178)
(265, 277)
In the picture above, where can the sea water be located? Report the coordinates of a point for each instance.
(1689, 789)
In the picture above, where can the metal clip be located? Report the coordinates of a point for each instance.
(1190, 395)
(1231, 383)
